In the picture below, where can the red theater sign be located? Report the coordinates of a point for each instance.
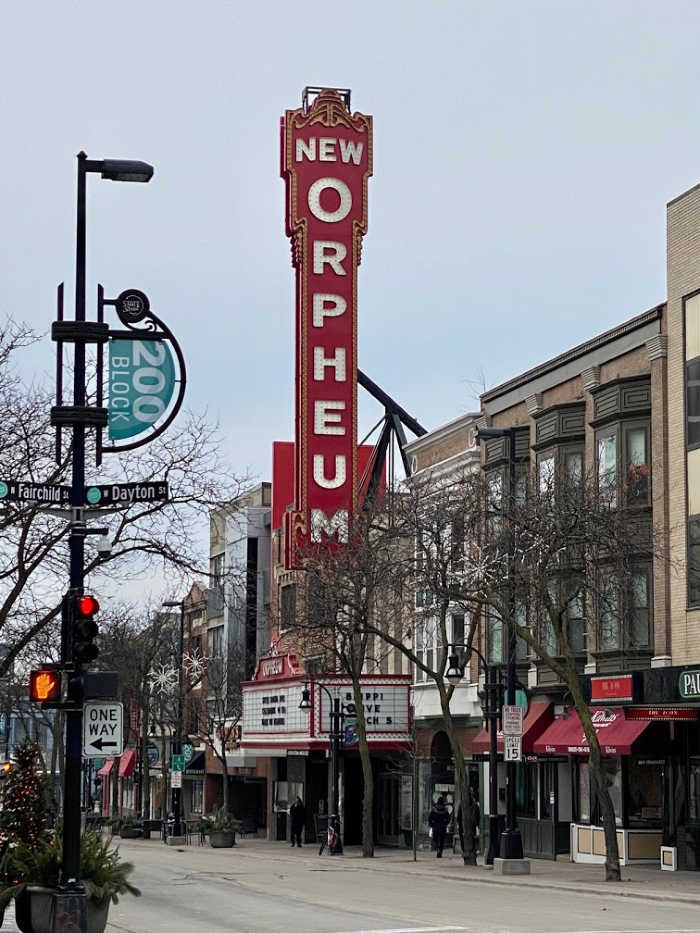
(326, 162)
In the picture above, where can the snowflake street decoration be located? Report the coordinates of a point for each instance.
(163, 679)
(481, 570)
(194, 664)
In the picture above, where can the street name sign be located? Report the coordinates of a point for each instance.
(512, 720)
(178, 763)
(176, 779)
(126, 493)
(103, 729)
(513, 748)
(48, 493)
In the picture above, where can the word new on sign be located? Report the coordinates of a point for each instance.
(326, 163)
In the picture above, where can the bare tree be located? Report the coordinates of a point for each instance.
(219, 725)
(572, 552)
(344, 591)
(146, 536)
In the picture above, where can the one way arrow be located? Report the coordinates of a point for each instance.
(99, 744)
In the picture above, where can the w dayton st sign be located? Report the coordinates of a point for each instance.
(326, 163)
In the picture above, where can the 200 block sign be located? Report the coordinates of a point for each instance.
(326, 163)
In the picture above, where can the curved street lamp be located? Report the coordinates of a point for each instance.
(337, 712)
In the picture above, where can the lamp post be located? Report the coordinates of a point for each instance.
(79, 417)
(336, 716)
(492, 710)
(177, 744)
(511, 840)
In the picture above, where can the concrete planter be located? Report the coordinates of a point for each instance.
(130, 832)
(222, 838)
(34, 911)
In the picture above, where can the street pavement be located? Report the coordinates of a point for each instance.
(263, 887)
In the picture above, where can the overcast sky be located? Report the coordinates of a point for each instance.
(523, 156)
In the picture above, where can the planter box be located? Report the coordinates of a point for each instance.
(130, 832)
(34, 911)
(222, 838)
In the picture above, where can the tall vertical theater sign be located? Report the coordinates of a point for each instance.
(326, 163)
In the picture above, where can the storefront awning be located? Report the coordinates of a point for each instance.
(106, 767)
(538, 717)
(616, 734)
(127, 763)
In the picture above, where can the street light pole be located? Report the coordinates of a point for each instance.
(511, 840)
(70, 900)
(336, 717)
(176, 792)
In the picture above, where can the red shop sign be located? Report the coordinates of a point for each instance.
(612, 689)
(661, 712)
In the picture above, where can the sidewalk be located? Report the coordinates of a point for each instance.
(639, 881)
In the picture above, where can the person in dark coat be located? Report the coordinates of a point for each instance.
(297, 812)
(438, 820)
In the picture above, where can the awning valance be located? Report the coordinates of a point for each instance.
(127, 763)
(537, 718)
(106, 767)
(616, 733)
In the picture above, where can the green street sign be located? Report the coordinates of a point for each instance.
(187, 753)
(178, 763)
(141, 385)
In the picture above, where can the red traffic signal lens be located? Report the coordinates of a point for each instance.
(87, 606)
(44, 686)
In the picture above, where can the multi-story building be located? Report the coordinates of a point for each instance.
(238, 632)
(442, 456)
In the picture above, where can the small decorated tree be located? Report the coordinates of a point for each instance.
(24, 798)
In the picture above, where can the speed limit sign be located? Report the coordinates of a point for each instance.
(513, 748)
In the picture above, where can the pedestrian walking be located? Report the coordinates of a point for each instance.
(297, 813)
(438, 821)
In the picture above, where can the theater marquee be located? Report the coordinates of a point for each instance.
(326, 162)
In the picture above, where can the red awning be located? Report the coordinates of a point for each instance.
(127, 763)
(106, 767)
(616, 734)
(538, 717)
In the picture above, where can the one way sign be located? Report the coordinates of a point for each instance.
(103, 729)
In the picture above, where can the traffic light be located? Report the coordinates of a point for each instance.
(85, 628)
(44, 686)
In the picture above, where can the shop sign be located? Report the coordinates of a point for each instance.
(612, 689)
(274, 709)
(652, 713)
(276, 667)
(326, 163)
(385, 708)
(689, 684)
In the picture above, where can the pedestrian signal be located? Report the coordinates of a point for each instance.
(44, 686)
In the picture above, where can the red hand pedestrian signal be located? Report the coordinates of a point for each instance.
(44, 686)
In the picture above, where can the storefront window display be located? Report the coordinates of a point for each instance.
(588, 809)
(645, 792)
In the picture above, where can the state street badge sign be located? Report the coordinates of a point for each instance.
(326, 164)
